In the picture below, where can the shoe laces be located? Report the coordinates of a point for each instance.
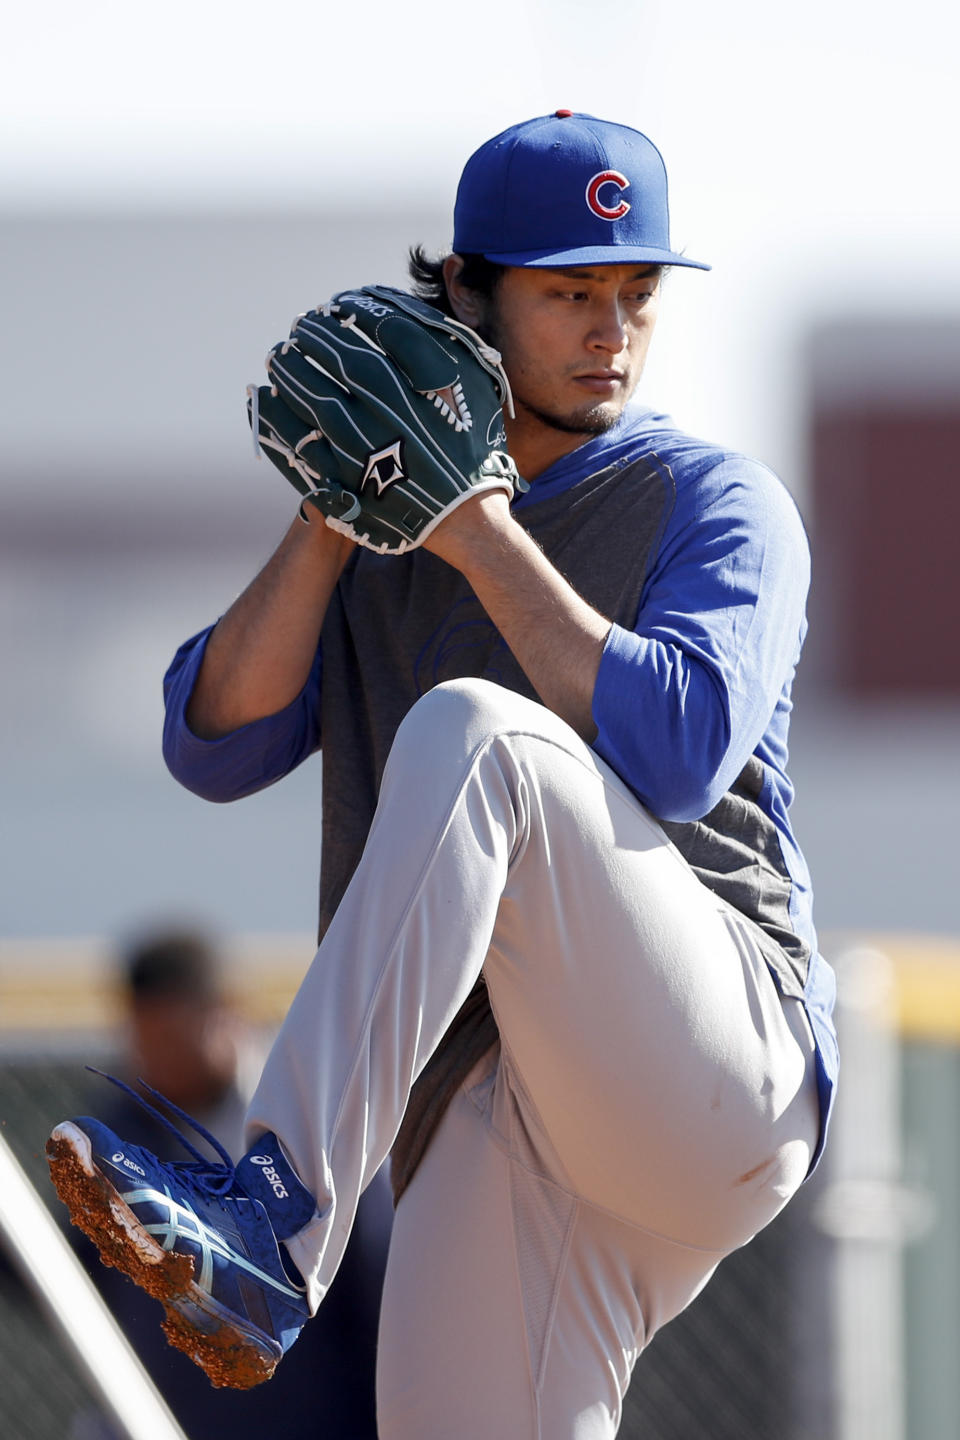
(210, 1177)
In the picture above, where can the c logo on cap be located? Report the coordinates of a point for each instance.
(608, 212)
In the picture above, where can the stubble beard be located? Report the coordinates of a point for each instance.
(596, 421)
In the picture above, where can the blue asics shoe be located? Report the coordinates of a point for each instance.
(201, 1237)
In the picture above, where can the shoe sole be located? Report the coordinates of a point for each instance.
(195, 1323)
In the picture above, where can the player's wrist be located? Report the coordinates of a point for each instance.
(311, 531)
(480, 529)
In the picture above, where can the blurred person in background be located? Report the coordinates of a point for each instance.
(186, 1038)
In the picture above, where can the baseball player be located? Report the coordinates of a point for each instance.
(568, 975)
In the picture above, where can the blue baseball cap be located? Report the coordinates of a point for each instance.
(566, 189)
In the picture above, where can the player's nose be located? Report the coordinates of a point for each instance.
(609, 330)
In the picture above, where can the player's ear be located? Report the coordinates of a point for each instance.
(467, 304)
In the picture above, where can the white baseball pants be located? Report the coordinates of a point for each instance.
(651, 1106)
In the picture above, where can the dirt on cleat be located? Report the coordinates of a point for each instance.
(95, 1208)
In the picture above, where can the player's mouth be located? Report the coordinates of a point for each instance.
(600, 382)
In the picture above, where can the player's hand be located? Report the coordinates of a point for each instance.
(386, 415)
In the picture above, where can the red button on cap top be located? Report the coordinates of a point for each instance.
(563, 114)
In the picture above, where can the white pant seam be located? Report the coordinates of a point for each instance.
(554, 1304)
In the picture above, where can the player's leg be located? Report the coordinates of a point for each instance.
(652, 1107)
(500, 838)
(405, 947)
(630, 1003)
(638, 1017)
(511, 1307)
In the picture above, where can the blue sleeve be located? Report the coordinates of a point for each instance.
(684, 699)
(248, 759)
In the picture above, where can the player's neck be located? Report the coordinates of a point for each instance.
(535, 445)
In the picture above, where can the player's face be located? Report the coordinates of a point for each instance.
(574, 342)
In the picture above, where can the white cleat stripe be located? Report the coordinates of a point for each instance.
(182, 1222)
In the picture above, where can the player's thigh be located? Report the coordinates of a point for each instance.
(639, 1018)
(510, 1307)
(639, 1021)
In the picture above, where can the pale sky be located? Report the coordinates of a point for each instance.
(812, 150)
(839, 106)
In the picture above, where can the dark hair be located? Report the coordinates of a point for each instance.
(478, 274)
(172, 962)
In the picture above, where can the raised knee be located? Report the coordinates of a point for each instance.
(477, 708)
(447, 727)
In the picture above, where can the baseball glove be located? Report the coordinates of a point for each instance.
(385, 414)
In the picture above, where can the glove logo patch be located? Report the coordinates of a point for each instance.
(363, 302)
(385, 467)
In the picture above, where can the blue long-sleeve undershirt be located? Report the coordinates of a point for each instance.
(248, 759)
(702, 681)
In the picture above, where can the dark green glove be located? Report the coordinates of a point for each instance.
(385, 414)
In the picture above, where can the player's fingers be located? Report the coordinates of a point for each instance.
(269, 415)
(467, 346)
(380, 359)
(302, 455)
(389, 386)
(427, 363)
(320, 399)
(363, 423)
(278, 431)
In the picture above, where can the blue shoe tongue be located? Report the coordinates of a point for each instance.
(266, 1176)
